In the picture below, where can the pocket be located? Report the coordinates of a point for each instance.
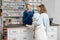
(40, 27)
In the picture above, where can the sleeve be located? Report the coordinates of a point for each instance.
(24, 16)
(46, 22)
(35, 18)
(32, 13)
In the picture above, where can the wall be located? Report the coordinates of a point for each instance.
(57, 11)
(53, 8)
(50, 5)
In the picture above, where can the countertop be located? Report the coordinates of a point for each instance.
(15, 25)
(20, 25)
(53, 24)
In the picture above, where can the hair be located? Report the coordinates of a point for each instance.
(43, 9)
(27, 4)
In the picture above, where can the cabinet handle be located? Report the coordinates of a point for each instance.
(52, 35)
(25, 38)
(14, 31)
(52, 29)
(14, 39)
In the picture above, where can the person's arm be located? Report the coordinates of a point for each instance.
(46, 22)
(24, 16)
(32, 13)
(35, 18)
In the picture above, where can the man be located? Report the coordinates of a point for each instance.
(27, 15)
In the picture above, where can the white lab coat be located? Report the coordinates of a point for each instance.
(40, 33)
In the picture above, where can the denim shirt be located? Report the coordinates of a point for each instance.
(27, 17)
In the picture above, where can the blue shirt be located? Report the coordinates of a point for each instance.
(27, 17)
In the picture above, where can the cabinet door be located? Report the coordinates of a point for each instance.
(53, 30)
(52, 34)
(23, 30)
(52, 37)
(20, 33)
(13, 31)
(15, 37)
(26, 34)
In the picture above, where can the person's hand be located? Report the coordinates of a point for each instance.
(34, 28)
(29, 26)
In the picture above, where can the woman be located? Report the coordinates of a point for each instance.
(27, 15)
(41, 22)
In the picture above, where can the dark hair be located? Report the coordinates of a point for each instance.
(43, 9)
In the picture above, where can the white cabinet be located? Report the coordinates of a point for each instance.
(20, 34)
(27, 33)
(52, 34)
(12, 31)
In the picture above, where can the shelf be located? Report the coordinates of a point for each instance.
(14, 5)
(12, 12)
(13, 1)
(34, 2)
(12, 17)
(14, 9)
